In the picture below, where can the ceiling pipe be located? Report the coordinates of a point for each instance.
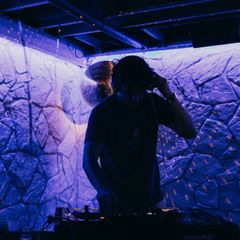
(12, 6)
(91, 41)
(57, 24)
(115, 33)
(154, 33)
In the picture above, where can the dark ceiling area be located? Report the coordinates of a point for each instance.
(107, 26)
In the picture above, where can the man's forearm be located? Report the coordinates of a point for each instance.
(94, 174)
(183, 122)
(92, 168)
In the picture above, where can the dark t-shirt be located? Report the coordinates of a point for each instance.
(128, 157)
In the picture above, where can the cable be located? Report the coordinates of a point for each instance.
(157, 123)
(43, 228)
(49, 221)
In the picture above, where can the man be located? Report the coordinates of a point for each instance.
(122, 134)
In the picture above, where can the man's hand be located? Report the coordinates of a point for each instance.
(108, 201)
(161, 84)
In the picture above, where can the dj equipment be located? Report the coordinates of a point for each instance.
(155, 224)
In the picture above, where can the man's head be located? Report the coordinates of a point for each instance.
(131, 74)
(131, 77)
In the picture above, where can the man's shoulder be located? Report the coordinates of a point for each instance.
(105, 105)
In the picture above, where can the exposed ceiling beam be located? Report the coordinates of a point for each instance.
(188, 19)
(91, 41)
(48, 22)
(112, 31)
(84, 28)
(172, 15)
(10, 6)
(184, 15)
(162, 7)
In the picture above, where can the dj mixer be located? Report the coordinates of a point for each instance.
(172, 224)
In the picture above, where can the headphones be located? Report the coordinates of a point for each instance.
(119, 70)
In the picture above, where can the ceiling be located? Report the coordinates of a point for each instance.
(108, 26)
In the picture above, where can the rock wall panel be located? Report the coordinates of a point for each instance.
(40, 145)
(43, 118)
(203, 173)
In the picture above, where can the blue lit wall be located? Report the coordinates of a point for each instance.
(43, 114)
(202, 173)
(40, 144)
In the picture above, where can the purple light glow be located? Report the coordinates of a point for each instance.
(43, 121)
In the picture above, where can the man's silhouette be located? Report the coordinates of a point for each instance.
(120, 144)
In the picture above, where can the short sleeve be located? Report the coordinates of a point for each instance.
(163, 111)
(95, 129)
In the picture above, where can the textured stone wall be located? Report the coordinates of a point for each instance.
(203, 173)
(43, 114)
(40, 142)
